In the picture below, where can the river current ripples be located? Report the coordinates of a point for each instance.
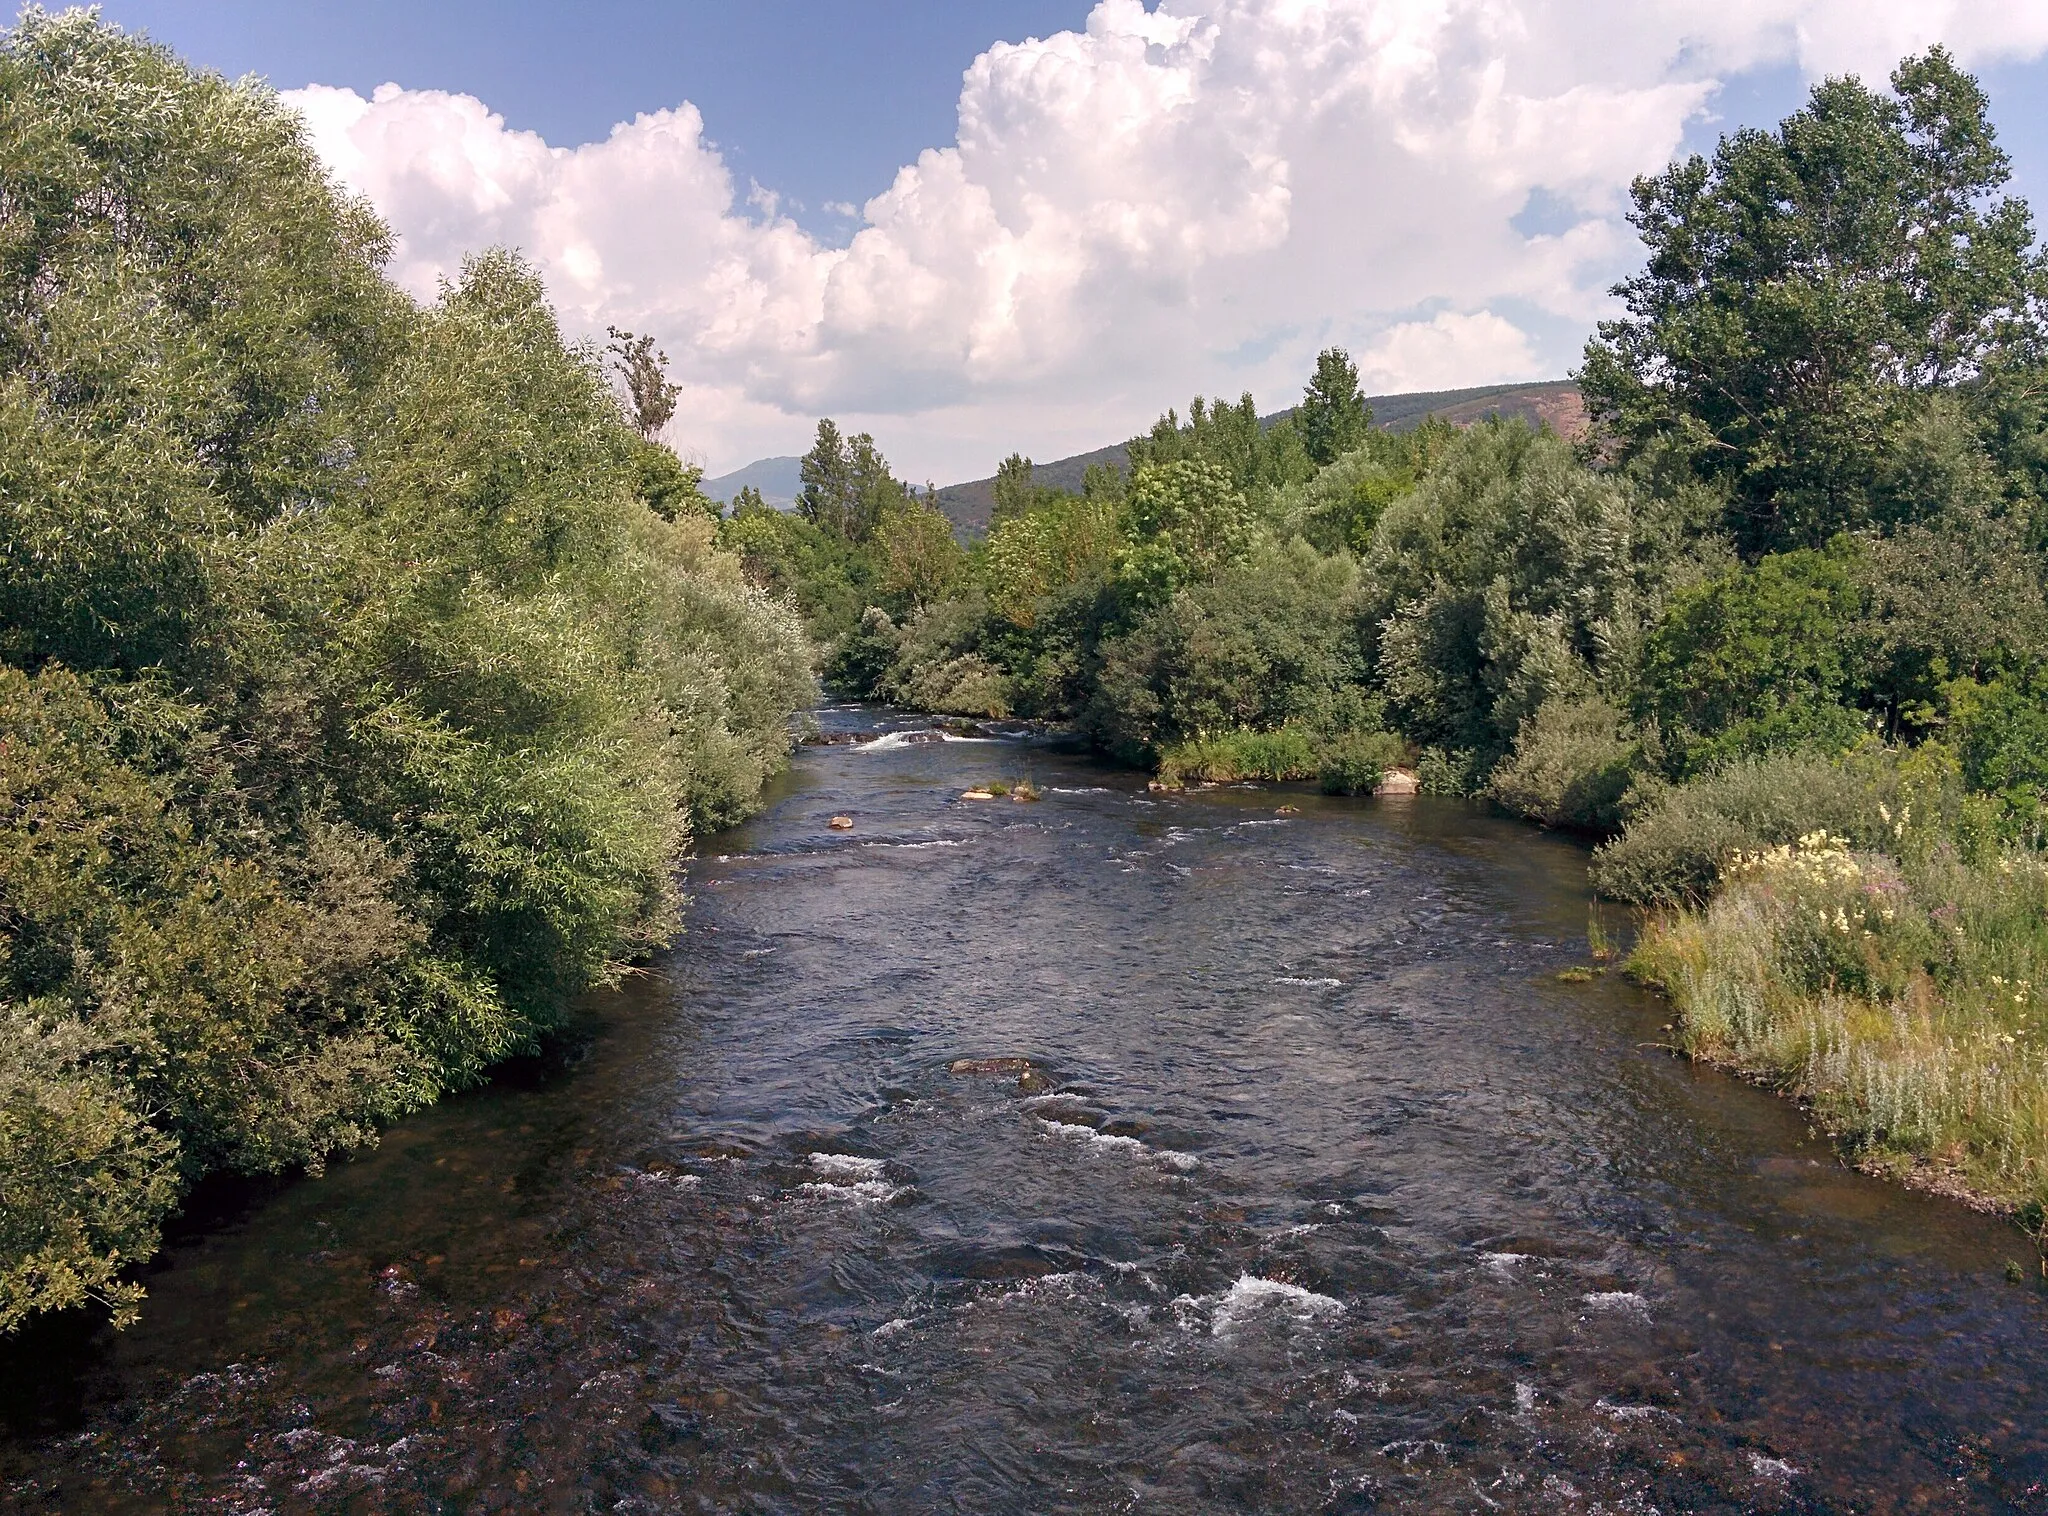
(1324, 1195)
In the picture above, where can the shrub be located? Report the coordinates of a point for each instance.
(1571, 767)
(1758, 659)
(363, 683)
(1679, 837)
(1266, 645)
(1355, 762)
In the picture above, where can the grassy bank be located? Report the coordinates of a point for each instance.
(1897, 998)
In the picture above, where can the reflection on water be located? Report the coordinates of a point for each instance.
(1322, 1193)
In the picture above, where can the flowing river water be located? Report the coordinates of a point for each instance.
(1333, 1198)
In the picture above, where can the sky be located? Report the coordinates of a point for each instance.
(973, 226)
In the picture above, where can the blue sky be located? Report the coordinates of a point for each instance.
(819, 100)
(1181, 201)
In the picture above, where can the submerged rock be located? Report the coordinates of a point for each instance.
(1030, 1079)
(990, 1066)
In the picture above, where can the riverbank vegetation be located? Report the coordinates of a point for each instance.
(364, 670)
(1789, 587)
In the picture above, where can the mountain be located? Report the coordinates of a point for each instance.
(1555, 403)
(778, 480)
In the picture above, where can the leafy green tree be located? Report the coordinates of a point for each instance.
(2000, 731)
(847, 486)
(1264, 643)
(360, 683)
(1803, 287)
(1511, 576)
(643, 369)
(919, 558)
(1013, 490)
(1333, 417)
(1255, 458)
(1760, 658)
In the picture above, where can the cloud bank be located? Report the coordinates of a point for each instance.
(1194, 197)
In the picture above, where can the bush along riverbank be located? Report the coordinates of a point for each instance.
(1772, 632)
(364, 668)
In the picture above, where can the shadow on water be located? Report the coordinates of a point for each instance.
(1322, 1193)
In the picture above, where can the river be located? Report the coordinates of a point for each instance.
(1327, 1195)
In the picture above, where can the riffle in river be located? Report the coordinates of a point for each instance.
(1316, 1190)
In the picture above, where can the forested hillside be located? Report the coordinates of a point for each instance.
(363, 671)
(1775, 629)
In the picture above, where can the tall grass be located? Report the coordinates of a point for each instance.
(1900, 1001)
(1347, 763)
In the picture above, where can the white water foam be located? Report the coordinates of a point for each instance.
(849, 1180)
(1312, 984)
(863, 1192)
(1625, 1302)
(1502, 1265)
(847, 1166)
(889, 742)
(912, 847)
(1771, 1468)
(1105, 1142)
(1254, 1297)
(1631, 1412)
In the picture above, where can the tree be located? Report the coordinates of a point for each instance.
(847, 486)
(1333, 416)
(1256, 458)
(919, 559)
(650, 396)
(1806, 285)
(1013, 490)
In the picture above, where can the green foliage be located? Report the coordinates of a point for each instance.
(830, 580)
(1758, 659)
(1900, 1002)
(1806, 285)
(918, 558)
(1060, 542)
(2000, 734)
(1573, 764)
(1264, 644)
(1680, 837)
(1254, 459)
(1355, 762)
(1188, 522)
(1333, 417)
(1514, 575)
(364, 673)
(847, 486)
(1288, 752)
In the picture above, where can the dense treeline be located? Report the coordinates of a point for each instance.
(363, 671)
(1791, 586)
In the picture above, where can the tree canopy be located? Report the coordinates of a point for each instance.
(1807, 287)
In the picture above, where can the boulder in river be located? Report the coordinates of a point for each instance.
(977, 794)
(1030, 1079)
(841, 823)
(1398, 782)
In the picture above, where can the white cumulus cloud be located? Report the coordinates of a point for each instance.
(1197, 196)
